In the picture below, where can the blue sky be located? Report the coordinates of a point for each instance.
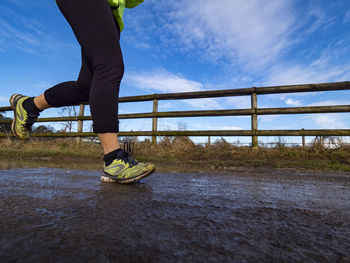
(173, 46)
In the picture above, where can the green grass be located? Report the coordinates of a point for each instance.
(173, 154)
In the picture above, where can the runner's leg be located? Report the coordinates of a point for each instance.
(98, 34)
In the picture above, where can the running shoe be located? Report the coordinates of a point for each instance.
(125, 169)
(22, 121)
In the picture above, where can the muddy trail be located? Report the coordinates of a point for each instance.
(56, 215)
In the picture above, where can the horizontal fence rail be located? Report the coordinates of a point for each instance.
(254, 111)
(336, 132)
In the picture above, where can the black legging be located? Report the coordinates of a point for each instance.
(102, 67)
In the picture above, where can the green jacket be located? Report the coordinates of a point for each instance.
(118, 9)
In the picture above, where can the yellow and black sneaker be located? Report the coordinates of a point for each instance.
(22, 121)
(124, 169)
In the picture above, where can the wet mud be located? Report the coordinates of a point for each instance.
(56, 215)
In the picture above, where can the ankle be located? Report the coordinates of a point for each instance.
(30, 106)
(109, 157)
(41, 103)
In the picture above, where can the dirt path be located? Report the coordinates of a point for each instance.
(55, 215)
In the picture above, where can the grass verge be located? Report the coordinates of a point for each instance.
(173, 154)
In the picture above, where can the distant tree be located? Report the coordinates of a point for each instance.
(181, 126)
(43, 129)
(5, 127)
(70, 111)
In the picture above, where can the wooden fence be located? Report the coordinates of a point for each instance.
(253, 111)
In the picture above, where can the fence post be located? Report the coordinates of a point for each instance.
(254, 120)
(154, 121)
(80, 122)
(303, 138)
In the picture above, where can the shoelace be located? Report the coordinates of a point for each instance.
(128, 151)
(129, 160)
(129, 147)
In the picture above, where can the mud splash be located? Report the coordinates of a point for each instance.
(55, 215)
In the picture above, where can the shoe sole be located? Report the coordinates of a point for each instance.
(108, 179)
(13, 102)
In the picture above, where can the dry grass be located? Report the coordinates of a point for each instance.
(49, 153)
(173, 154)
(181, 152)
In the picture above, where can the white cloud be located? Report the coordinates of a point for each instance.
(268, 118)
(330, 103)
(162, 81)
(243, 33)
(327, 67)
(28, 35)
(293, 102)
(3, 99)
(225, 128)
(14, 38)
(240, 102)
(167, 82)
(205, 104)
(42, 85)
(120, 111)
(143, 45)
(346, 18)
(333, 121)
(297, 74)
(248, 32)
(267, 41)
(165, 105)
(316, 19)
